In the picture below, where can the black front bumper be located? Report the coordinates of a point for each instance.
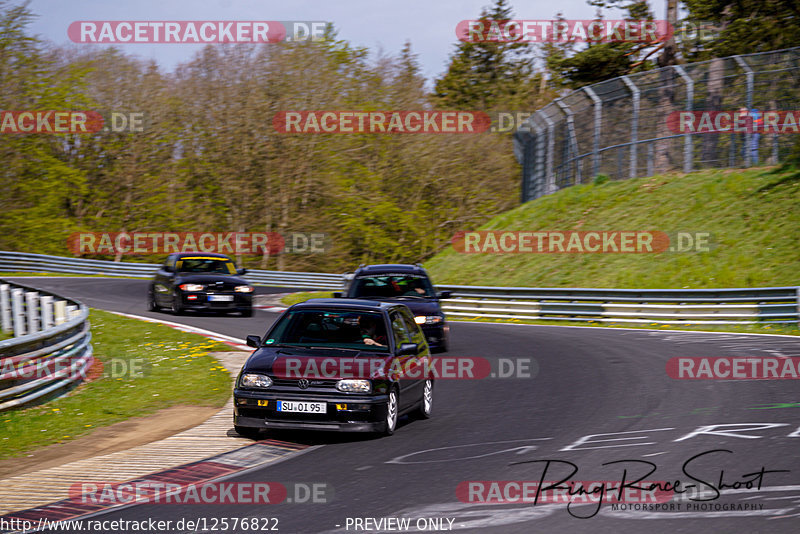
(369, 414)
(199, 300)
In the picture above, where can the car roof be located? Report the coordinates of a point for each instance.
(180, 255)
(390, 268)
(347, 304)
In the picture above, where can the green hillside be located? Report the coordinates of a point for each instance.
(753, 216)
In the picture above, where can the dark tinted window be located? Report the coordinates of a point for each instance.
(322, 328)
(392, 285)
(200, 264)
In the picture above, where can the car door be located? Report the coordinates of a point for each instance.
(424, 361)
(408, 383)
(162, 284)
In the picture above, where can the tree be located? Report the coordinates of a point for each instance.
(485, 75)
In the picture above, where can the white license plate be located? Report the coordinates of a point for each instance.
(301, 407)
(220, 298)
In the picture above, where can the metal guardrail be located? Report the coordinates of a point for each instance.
(663, 306)
(41, 263)
(50, 351)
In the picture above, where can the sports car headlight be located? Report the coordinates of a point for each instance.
(191, 287)
(354, 386)
(428, 319)
(251, 380)
(243, 289)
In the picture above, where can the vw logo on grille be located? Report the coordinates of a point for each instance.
(302, 383)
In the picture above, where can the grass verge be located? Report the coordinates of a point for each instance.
(302, 296)
(145, 367)
(752, 215)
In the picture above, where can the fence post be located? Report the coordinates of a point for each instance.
(17, 312)
(573, 141)
(687, 139)
(748, 135)
(650, 157)
(59, 312)
(5, 309)
(550, 180)
(46, 303)
(598, 120)
(635, 123)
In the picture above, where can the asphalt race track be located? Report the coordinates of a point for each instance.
(595, 396)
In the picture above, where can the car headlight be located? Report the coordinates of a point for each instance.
(428, 319)
(252, 380)
(243, 289)
(191, 287)
(354, 386)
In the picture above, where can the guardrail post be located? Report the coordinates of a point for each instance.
(46, 304)
(5, 309)
(687, 139)
(60, 312)
(17, 313)
(635, 123)
(32, 310)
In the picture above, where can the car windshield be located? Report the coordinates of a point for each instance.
(330, 329)
(205, 265)
(392, 286)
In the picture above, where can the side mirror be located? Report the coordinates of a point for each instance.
(169, 269)
(445, 294)
(337, 294)
(254, 341)
(241, 272)
(408, 348)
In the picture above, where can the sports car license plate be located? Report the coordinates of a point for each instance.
(220, 298)
(301, 407)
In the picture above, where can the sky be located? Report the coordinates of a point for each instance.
(380, 25)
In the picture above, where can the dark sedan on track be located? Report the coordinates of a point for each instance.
(409, 285)
(332, 364)
(200, 281)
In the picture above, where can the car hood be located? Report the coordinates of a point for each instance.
(208, 278)
(334, 364)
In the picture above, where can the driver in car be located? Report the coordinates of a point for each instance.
(369, 332)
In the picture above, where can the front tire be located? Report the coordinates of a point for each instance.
(177, 309)
(392, 409)
(426, 407)
(151, 302)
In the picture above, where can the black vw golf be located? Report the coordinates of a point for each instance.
(333, 364)
(200, 281)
